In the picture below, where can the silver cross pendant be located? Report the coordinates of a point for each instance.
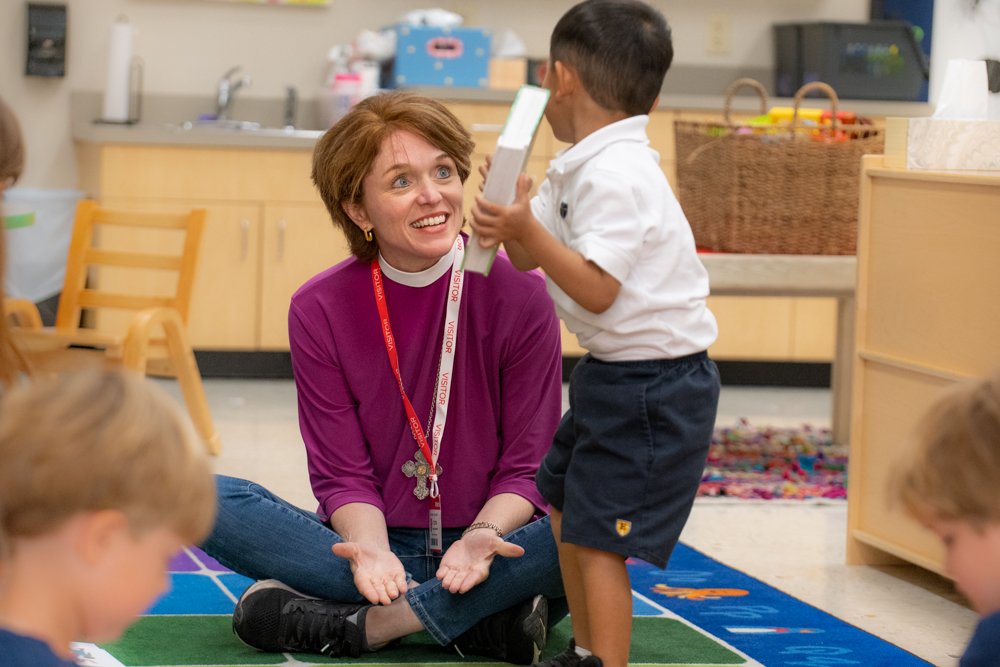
(420, 469)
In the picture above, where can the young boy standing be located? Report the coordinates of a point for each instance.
(621, 266)
(951, 484)
(102, 480)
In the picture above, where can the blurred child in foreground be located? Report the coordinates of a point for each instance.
(102, 480)
(951, 484)
(12, 363)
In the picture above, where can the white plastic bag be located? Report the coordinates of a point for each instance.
(36, 255)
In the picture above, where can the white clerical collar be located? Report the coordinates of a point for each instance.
(420, 278)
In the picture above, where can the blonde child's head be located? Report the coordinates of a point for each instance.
(106, 459)
(951, 484)
(954, 473)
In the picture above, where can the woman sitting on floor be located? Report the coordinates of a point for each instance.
(420, 527)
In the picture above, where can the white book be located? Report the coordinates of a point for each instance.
(513, 149)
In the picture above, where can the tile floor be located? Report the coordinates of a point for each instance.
(796, 548)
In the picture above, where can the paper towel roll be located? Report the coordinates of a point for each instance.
(965, 91)
(116, 89)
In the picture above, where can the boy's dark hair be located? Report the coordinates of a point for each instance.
(620, 49)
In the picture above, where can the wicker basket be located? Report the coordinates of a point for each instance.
(775, 189)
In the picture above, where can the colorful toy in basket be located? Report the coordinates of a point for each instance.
(782, 183)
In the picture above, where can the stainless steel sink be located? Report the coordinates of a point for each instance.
(241, 128)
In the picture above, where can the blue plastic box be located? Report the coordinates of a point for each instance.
(439, 57)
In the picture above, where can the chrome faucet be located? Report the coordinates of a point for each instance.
(291, 106)
(228, 85)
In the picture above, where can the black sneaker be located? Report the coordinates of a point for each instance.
(568, 658)
(273, 617)
(513, 635)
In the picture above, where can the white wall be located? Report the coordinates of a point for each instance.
(187, 44)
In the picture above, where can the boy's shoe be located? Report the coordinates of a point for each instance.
(568, 658)
(273, 617)
(513, 635)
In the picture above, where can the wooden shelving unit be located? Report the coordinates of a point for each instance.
(928, 316)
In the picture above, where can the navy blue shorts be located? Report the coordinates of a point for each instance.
(629, 453)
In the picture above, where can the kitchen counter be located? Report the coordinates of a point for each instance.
(746, 100)
(163, 116)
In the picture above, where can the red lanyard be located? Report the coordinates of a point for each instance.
(442, 387)
(390, 348)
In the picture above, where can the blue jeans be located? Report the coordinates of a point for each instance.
(261, 536)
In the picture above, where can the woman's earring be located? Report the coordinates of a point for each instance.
(368, 235)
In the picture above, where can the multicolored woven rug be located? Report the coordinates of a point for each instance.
(696, 613)
(765, 463)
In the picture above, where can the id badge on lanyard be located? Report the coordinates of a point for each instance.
(437, 534)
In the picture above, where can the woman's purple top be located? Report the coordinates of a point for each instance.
(506, 391)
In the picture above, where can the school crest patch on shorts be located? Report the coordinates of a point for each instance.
(623, 527)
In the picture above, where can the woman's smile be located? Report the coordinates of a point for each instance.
(430, 221)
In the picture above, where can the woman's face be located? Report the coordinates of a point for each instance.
(412, 202)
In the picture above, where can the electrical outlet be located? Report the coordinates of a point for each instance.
(718, 34)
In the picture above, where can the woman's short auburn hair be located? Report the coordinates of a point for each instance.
(346, 152)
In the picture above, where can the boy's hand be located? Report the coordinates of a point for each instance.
(484, 170)
(494, 223)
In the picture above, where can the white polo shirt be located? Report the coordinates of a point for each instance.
(607, 198)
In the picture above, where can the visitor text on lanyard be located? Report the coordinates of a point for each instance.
(442, 388)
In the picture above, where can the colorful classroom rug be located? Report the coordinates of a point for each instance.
(767, 463)
(697, 612)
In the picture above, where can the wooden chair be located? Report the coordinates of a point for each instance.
(137, 341)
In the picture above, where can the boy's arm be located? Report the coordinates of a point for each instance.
(521, 260)
(530, 245)
(519, 257)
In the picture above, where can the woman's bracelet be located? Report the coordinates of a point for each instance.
(484, 524)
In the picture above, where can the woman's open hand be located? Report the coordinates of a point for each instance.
(378, 573)
(467, 562)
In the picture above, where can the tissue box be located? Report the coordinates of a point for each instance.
(427, 56)
(936, 143)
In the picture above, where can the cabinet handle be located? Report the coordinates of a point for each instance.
(282, 226)
(244, 238)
